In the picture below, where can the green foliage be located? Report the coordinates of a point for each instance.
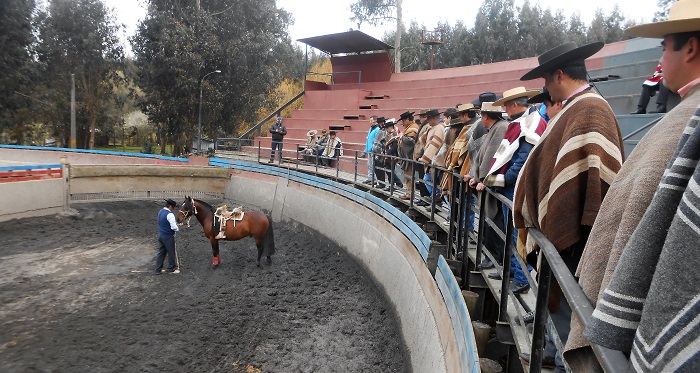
(178, 44)
(664, 8)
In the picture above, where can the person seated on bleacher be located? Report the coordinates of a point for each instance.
(333, 149)
(649, 88)
(307, 150)
(320, 145)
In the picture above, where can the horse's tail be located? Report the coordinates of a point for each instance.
(268, 242)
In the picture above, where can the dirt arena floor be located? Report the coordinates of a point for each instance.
(78, 294)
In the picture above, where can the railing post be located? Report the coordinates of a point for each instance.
(538, 333)
(356, 164)
(505, 276)
(391, 175)
(465, 197)
(480, 235)
(413, 182)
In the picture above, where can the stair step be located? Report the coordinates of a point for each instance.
(354, 116)
(365, 107)
(379, 97)
(339, 128)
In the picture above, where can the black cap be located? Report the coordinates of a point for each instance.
(170, 202)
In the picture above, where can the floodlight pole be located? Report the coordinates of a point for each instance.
(199, 121)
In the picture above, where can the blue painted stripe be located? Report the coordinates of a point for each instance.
(31, 167)
(459, 315)
(101, 152)
(397, 218)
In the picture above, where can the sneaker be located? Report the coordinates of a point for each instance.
(529, 317)
(175, 272)
(518, 288)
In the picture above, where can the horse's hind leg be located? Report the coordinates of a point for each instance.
(215, 252)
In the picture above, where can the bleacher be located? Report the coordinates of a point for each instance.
(617, 72)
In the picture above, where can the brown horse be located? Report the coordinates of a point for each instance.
(254, 224)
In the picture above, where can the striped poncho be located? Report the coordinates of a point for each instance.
(435, 138)
(651, 307)
(529, 128)
(566, 176)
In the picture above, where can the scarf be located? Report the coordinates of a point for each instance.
(527, 127)
(651, 307)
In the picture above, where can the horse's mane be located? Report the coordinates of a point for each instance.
(204, 204)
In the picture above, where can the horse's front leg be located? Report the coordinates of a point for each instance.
(215, 253)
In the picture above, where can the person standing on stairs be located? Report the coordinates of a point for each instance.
(373, 129)
(278, 131)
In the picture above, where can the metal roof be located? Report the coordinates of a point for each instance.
(346, 42)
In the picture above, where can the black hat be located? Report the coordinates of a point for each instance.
(381, 120)
(455, 123)
(170, 202)
(562, 56)
(540, 97)
(485, 97)
(407, 114)
(449, 112)
(432, 113)
(332, 132)
(389, 123)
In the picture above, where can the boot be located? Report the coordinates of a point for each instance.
(640, 110)
(659, 109)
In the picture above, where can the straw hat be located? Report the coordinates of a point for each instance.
(514, 93)
(311, 133)
(684, 16)
(465, 107)
(489, 107)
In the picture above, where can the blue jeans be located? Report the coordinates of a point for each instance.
(515, 268)
(278, 145)
(472, 213)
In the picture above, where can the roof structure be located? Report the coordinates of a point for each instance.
(346, 42)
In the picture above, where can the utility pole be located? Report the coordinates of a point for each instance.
(73, 142)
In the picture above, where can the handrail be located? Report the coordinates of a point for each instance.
(642, 128)
(270, 116)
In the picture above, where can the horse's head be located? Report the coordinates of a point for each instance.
(186, 210)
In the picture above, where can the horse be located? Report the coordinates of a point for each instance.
(254, 224)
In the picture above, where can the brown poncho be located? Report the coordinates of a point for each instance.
(563, 182)
(435, 138)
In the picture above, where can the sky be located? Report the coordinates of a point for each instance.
(321, 17)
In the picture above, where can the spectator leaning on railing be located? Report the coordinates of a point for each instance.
(642, 253)
(564, 180)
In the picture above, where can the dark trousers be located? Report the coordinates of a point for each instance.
(167, 246)
(493, 242)
(648, 92)
(278, 145)
(421, 186)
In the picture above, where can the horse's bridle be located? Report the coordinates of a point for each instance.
(187, 214)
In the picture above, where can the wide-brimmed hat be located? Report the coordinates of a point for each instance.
(684, 16)
(389, 123)
(432, 113)
(485, 97)
(540, 97)
(514, 93)
(170, 202)
(561, 56)
(381, 120)
(406, 115)
(311, 133)
(331, 133)
(489, 107)
(423, 112)
(465, 107)
(324, 131)
(455, 122)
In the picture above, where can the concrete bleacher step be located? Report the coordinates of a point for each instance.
(368, 107)
(354, 116)
(376, 97)
(641, 69)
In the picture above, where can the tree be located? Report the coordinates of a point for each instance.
(378, 12)
(80, 37)
(664, 8)
(180, 42)
(16, 63)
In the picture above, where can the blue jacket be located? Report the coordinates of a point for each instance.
(370, 138)
(516, 164)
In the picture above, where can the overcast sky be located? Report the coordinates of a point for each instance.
(320, 17)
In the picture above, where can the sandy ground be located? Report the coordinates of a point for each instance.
(78, 294)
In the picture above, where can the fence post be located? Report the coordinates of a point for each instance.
(538, 333)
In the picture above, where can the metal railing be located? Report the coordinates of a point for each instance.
(453, 223)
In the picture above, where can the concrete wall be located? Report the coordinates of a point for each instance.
(383, 250)
(31, 198)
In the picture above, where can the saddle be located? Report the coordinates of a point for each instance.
(223, 215)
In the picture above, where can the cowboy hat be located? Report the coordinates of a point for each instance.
(684, 16)
(432, 113)
(406, 115)
(311, 133)
(381, 120)
(489, 107)
(170, 202)
(514, 93)
(485, 97)
(540, 97)
(324, 131)
(465, 107)
(455, 122)
(560, 56)
(423, 112)
(389, 123)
